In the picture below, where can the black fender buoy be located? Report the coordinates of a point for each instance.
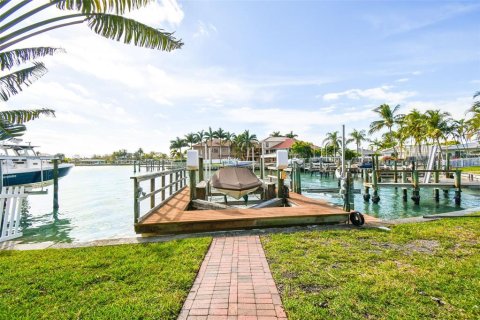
(357, 219)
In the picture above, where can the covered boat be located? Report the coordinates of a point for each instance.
(235, 181)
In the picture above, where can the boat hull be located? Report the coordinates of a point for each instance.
(33, 178)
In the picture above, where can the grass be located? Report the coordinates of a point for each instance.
(416, 271)
(475, 170)
(142, 281)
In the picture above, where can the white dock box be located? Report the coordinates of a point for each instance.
(282, 159)
(192, 160)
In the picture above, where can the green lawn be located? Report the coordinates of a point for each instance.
(142, 281)
(471, 170)
(416, 271)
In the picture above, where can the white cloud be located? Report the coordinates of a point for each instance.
(159, 12)
(382, 93)
(204, 29)
(402, 80)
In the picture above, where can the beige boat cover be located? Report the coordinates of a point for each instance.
(235, 179)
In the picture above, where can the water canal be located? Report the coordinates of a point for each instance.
(96, 203)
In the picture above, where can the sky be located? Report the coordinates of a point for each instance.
(301, 66)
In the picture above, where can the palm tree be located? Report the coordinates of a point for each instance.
(473, 124)
(248, 140)
(12, 121)
(177, 145)
(191, 138)
(414, 126)
(275, 134)
(476, 104)
(333, 140)
(229, 137)
(388, 119)
(103, 17)
(210, 135)
(357, 137)
(291, 135)
(376, 144)
(220, 134)
(437, 125)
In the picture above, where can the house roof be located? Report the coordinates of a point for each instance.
(287, 144)
(213, 143)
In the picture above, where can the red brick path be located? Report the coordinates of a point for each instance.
(234, 282)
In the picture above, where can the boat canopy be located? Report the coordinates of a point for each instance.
(235, 181)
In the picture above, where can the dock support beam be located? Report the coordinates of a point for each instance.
(404, 194)
(193, 183)
(458, 186)
(416, 189)
(200, 169)
(376, 197)
(55, 184)
(280, 183)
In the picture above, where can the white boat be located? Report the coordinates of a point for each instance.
(21, 166)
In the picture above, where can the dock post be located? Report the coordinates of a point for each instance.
(279, 184)
(447, 166)
(55, 184)
(136, 204)
(404, 194)
(262, 167)
(134, 166)
(416, 189)
(163, 187)
(404, 177)
(395, 174)
(193, 184)
(152, 189)
(1, 176)
(200, 169)
(299, 180)
(375, 198)
(458, 186)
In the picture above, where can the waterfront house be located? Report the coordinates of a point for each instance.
(214, 146)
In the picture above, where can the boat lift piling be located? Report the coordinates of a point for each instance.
(55, 184)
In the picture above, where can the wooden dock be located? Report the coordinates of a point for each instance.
(173, 217)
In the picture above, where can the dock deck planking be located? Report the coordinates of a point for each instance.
(173, 217)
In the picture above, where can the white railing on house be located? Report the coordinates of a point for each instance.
(464, 162)
(11, 199)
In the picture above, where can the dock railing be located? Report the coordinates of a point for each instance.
(150, 165)
(163, 185)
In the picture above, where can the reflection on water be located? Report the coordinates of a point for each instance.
(391, 205)
(96, 203)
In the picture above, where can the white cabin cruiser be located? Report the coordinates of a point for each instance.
(21, 166)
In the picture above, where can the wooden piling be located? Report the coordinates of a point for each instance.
(55, 184)
(395, 174)
(404, 194)
(200, 169)
(152, 189)
(458, 186)
(280, 183)
(416, 189)
(376, 197)
(193, 184)
(136, 204)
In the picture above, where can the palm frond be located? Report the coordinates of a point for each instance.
(12, 83)
(130, 31)
(8, 130)
(17, 117)
(97, 6)
(11, 58)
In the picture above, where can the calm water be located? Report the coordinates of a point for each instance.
(96, 203)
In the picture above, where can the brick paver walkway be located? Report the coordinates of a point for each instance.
(234, 282)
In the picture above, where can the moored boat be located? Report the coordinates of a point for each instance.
(21, 166)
